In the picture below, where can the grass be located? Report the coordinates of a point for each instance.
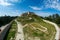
(37, 33)
(37, 25)
(24, 20)
(51, 30)
(36, 21)
(12, 31)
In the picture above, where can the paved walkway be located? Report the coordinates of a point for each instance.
(57, 28)
(4, 30)
(3, 27)
(20, 34)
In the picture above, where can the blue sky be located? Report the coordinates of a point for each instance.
(40, 7)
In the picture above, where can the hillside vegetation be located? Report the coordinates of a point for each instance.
(35, 28)
(11, 32)
(54, 18)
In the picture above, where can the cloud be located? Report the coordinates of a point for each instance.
(4, 3)
(35, 8)
(52, 4)
(14, 0)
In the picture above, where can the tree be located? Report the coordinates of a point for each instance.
(57, 20)
(6, 19)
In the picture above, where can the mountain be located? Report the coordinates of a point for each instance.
(35, 28)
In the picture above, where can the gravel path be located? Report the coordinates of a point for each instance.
(20, 34)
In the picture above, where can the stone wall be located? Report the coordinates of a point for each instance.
(3, 33)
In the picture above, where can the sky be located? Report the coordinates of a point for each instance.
(40, 7)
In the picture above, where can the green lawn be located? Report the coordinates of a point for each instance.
(12, 31)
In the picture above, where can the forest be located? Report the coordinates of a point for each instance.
(54, 18)
(6, 19)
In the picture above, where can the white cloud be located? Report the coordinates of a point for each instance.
(14, 0)
(52, 4)
(4, 3)
(35, 8)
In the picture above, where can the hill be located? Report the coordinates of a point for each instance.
(35, 28)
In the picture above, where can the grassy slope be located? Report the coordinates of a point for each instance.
(31, 32)
(12, 31)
